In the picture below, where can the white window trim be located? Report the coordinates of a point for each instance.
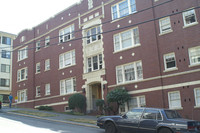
(118, 13)
(20, 52)
(72, 84)
(25, 74)
(47, 67)
(195, 96)
(47, 41)
(169, 100)
(19, 94)
(90, 37)
(165, 32)
(92, 64)
(38, 46)
(169, 69)
(123, 74)
(71, 54)
(37, 71)
(47, 87)
(37, 94)
(192, 24)
(71, 33)
(132, 39)
(193, 64)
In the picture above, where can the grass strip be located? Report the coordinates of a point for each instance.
(40, 114)
(83, 121)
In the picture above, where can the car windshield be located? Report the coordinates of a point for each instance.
(171, 114)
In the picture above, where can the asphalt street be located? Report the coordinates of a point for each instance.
(10, 123)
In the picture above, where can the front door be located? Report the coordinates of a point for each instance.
(96, 94)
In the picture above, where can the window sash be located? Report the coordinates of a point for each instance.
(37, 67)
(197, 96)
(47, 41)
(5, 68)
(174, 100)
(67, 59)
(170, 61)
(129, 72)
(5, 82)
(6, 40)
(22, 74)
(67, 86)
(189, 17)
(66, 34)
(22, 54)
(38, 91)
(47, 89)
(94, 63)
(194, 54)
(165, 25)
(137, 102)
(47, 65)
(93, 34)
(5, 54)
(22, 95)
(126, 39)
(38, 46)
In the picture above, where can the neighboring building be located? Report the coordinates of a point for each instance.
(150, 48)
(6, 44)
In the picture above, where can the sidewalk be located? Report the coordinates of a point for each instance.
(57, 117)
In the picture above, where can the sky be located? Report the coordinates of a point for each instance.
(17, 15)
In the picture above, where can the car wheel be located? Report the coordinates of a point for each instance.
(110, 128)
(165, 130)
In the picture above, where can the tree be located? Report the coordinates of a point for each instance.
(118, 96)
(77, 102)
(100, 103)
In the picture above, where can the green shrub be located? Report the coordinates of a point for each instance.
(77, 102)
(47, 108)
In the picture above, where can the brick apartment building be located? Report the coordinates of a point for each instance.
(149, 47)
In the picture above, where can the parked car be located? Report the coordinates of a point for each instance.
(148, 120)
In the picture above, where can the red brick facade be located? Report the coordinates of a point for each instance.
(158, 84)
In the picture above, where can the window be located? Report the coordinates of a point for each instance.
(123, 8)
(6, 40)
(67, 59)
(22, 95)
(151, 114)
(47, 65)
(134, 114)
(22, 54)
(129, 72)
(90, 4)
(189, 17)
(38, 91)
(37, 68)
(170, 61)
(5, 82)
(47, 41)
(22, 39)
(165, 25)
(47, 89)
(93, 34)
(126, 39)
(5, 54)
(137, 102)
(67, 86)
(197, 96)
(22, 74)
(174, 100)
(94, 63)
(194, 54)
(5, 68)
(38, 46)
(66, 34)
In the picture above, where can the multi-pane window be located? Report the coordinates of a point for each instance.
(93, 34)
(67, 59)
(38, 46)
(66, 34)
(22, 95)
(189, 17)
(90, 4)
(5, 82)
(38, 68)
(47, 89)
(170, 61)
(47, 41)
(165, 25)
(6, 40)
(22, 53)
(5, 68)
(47, 65)
(94, 63)
(22, 74)
(137, 102)
(38, 91)
(129, 72)
(194, 54)
(67, 86)
(5, 54)
(126, 39)
(123, 8)
(197, 96)
(174, 100)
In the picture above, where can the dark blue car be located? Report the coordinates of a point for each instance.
(148, 120)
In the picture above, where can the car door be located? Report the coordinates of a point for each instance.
(130, 121)
(149, 121)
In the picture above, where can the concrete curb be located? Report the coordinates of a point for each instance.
(67, 122)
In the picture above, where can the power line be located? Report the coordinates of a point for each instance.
(104, 22)
(133, 25)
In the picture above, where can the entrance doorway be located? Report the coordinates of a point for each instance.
(96, 94)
